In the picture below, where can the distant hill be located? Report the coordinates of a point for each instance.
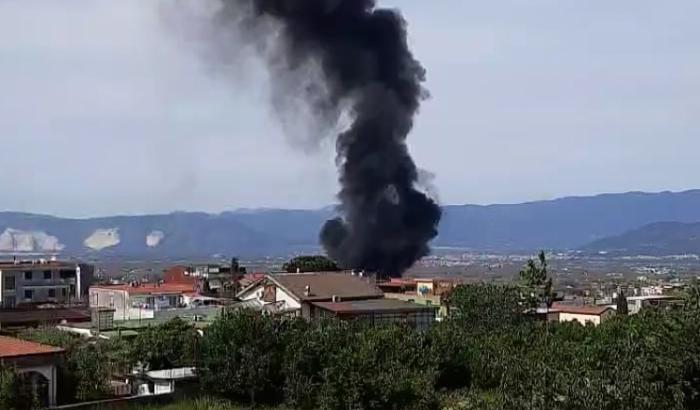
(566, 223)
(658, 239)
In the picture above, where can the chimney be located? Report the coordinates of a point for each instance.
(335, 298)
(307, 290)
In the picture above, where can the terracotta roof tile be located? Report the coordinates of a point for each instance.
(149, 288)
(580, 309)
(11, 347)
(325, 285)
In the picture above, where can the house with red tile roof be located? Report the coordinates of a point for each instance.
(583, 314)
(37, 361)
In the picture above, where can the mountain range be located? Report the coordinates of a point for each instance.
(657, 239)
(566, 223)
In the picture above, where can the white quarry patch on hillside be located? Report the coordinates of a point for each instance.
(102, 238)
(153, 239)
(17, 240)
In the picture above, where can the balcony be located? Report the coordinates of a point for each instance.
(48, 283)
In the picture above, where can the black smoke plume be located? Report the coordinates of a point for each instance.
(368, 72)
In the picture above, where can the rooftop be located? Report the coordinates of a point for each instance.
(10, 317)
(580, 309)
(36, 264)
(325, 285)
(12, 347)
(373, 305)
(654, 297)
(149, 288)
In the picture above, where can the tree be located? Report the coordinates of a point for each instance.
(241, 357)
(15, 391)
(622, 308)
(486, 306)
(537, 285)
(692, 296)
(316, 263)
(170, 345)
(85, 373)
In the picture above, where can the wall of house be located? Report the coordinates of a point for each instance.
(289, 301)
(584, 318)
(280, 295)
(113, 299)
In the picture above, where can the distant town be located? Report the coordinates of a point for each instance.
(123, 301)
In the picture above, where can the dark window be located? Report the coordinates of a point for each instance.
(66, 273)
(28, 275)
(9, 302)
(63, 292)
(47, 274)
(52, 293)
(28, 294)
(9, 282)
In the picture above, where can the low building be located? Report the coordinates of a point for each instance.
(376, 312)
(38, 362)
(294, 292)
(435, 286)
(41, 281)
(583, 314)
(637, 303)
(160, 382)
(32, 317)
(138, 301)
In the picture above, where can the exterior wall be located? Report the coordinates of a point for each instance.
(585, 318)
(163, 387)
(421, 320)
(113, 299)
(425, 287)
(258, 293)
(44, 282)
(289, 301)
(49, 373)
(428, 300)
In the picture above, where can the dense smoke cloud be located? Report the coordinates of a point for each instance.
(346, 64)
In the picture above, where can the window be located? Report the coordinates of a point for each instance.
(63, 292)
(9, 302)
(47, 274)
(28, 294)
(9, 282)
(52, 293)
(28, 275)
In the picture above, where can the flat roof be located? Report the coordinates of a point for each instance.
(13, 347)
(5, 264)
(23, 316)
(373, 305)
(653, 297)
(149, 288)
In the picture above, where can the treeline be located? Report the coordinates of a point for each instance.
(85, 372)
(488, 355)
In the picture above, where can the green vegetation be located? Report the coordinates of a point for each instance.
(315, 263)
(15, 391)
(487, 355)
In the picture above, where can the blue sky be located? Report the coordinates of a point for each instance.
(104, 110)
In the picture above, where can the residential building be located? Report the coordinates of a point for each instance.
(39, 362)
(637, 303)
(583, 314)
(377, 312)
(435, 286)
(41, 281)
(139, 301)
(211, 279)
(294, 292)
